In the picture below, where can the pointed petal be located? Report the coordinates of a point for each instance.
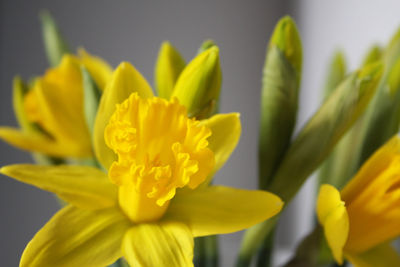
(97, 67)
(59, 95)
(226, 129)
(221, 210)
(77, 237)
(158, 245)
(332, 215)
(168, 68)
(378, 162)
(125, 81)
(40, 143)
(381, 256)
(82, 186)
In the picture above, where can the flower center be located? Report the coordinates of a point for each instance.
(159, 150)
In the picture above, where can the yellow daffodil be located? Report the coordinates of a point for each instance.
(155, 195)
(360, 221)
(55, 104)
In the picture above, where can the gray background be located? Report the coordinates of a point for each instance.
(133, 30)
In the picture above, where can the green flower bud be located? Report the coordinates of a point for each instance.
(382, 118)
(322, 132)
(374, 54)
(287, 38)
(279, 97)
(336, 73)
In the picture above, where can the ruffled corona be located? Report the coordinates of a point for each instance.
(159, 150)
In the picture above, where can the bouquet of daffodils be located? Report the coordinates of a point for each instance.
(132, 168)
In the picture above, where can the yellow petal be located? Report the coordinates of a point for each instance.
(37, 142)
(169, 65)
(221, 210)
(375, 165)
(158, 245)
(82, 186)
(226, 129)
(381, 256)
(77, 237)
(59, 95)
(333, 217)
(125, 81)
(97, 67)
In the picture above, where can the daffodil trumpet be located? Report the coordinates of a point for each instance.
(155, 196)
(361, 220)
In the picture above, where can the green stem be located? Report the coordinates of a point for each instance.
(199, 252)
(252, 240)
(119, 263)
(265, 254)
(206, 251)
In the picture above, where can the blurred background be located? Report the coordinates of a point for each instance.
(133, 31)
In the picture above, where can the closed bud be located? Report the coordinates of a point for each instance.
(198, 87)
(322, 132)
(279, 97)
(168, 68)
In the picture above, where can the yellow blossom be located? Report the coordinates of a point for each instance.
(360, 221)
(154, 198)
(55, 105)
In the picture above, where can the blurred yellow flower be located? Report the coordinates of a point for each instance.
(55, 104)
(155, 197)
(361, 220)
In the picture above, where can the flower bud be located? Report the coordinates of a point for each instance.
(168, 68)
(198, 87)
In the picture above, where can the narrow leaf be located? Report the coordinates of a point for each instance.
(92, 95)
(54, 43)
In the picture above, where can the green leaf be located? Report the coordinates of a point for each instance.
(19, 91)
(206, 251)
(279, 98)
(54, 43)
(91, 96)
(322, 132)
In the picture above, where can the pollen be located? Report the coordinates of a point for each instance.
(159, 150)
